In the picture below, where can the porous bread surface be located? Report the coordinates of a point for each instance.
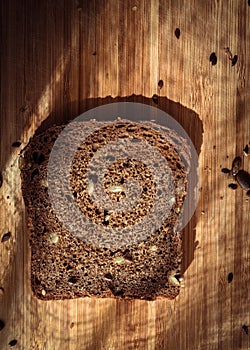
(64, 266)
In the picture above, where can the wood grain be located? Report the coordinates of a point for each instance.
(60, 58)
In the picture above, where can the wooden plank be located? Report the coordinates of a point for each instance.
(60, 58)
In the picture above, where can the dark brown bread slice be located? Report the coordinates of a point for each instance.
(64, 266)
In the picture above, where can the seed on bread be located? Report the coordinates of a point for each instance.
(53, 237)
(153, 248)
(116, 189)
(91, 187)
(172, 201)
(173, 280)
(119, 260)
(44, 183)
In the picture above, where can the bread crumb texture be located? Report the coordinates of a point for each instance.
(64, 266)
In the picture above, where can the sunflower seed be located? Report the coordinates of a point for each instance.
(153, 248)
(131, 128)
(245, 329)
(119, 260)
(177, 33)
(107, 218)
(6, 237)
(44, 183)
(172, 201)
(233, 186)
(173, 281)
(155, 99)
(230, 277)
(116, 189)
(213, 58)
(180, 187)
(16, 144)
(225, 170)
(160, 83)
(245, 150)
(53, 237)
(2, 325)
(21, 162)
(90, 187)
(12, 343)
(236, 165)
(234, 60)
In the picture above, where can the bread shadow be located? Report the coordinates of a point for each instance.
(187, 118)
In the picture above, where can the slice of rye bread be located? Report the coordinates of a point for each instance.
(64, 266)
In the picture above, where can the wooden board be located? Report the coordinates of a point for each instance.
(60, 58)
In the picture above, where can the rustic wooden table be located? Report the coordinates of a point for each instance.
(61, 58)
